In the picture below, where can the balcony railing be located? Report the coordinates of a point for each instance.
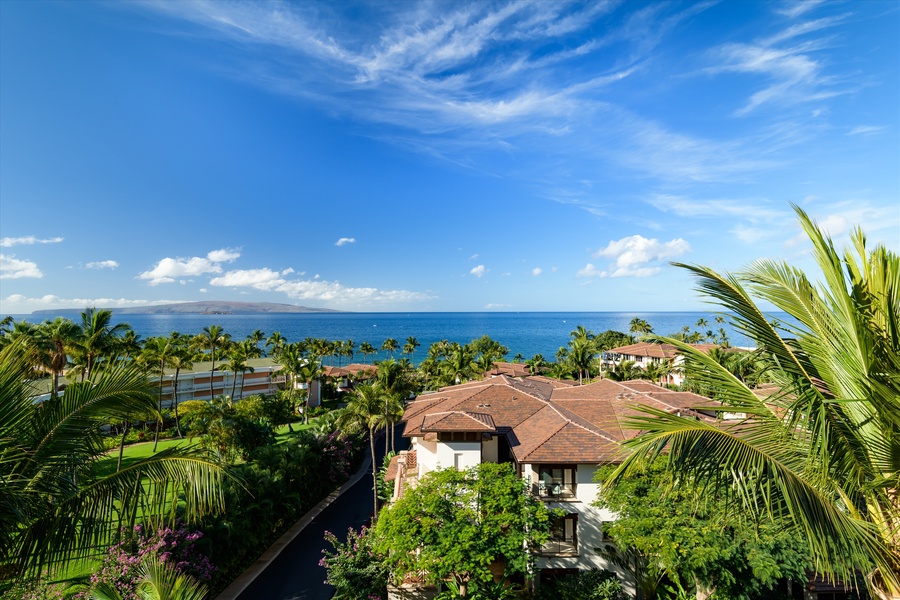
(554, 490)
(559, 548)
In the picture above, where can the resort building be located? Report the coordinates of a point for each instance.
(645, 354)
(193, 383)
(555, 433)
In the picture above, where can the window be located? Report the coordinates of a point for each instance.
(563, 536)
(458, 460)
(556, 482)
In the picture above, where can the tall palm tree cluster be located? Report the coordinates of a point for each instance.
(821, 453)
(448, 363)
(377, 406)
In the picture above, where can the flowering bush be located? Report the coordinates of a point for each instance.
(121, 566)
(354, 568)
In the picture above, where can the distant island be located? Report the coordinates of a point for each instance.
(210, 307)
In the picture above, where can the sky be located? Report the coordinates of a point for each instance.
(434, 156)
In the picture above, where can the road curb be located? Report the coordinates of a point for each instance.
(253, 571)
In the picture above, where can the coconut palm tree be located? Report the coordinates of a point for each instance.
(156, 352)
(582, 351)
(366, 411)
(59, 334)
(212, 338)
(639, 325)
(310, 371)
(390, 346)
(821, 454)
(237, 363)
(97, 337)
(275, 343)
(292, 361)
(179, 358)
(366, 349)
(55, 501)
(409, 348)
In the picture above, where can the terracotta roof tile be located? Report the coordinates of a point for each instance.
(458, 421)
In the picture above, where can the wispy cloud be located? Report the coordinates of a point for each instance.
(478, 271)
(9, 242)
(169, 269)
(344, 241)
(787, 63)
(536, 271)
(865, 130)
(14, 268)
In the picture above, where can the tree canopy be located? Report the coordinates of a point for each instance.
(458, 524)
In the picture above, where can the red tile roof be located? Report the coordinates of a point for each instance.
(545, 422)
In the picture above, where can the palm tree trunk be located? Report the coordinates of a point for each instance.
(175, 403)
(374, 475)
(122, 446)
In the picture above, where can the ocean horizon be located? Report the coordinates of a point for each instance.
(526, 333)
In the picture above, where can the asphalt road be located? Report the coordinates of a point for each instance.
(295, 574)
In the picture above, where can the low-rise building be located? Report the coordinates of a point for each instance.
(555, 433)
(647, 354)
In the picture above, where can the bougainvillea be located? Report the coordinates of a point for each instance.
(355, 570)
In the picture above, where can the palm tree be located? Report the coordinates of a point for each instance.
(275, 343)
(55, 500)
(211, 338)
(366, 411)
(60, 335)
(639, 325)
(409, 348)
(366, 349)
(821, 454)
(292, 362)
(156, 352)
(97, 337)
(179, 358)
(390, 345)
(581, 355)
(237, 363)
(309, 372)
(256, 337)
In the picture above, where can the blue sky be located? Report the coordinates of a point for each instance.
(418, 156)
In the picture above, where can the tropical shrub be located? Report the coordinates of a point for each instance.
(586, 585)
(355, 569)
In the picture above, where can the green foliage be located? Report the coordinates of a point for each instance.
(355, 568)
(232, 432)
(56, 498)
(586, 585)
(457, 523)
(685, 536)
(270, 492)
(819, 454)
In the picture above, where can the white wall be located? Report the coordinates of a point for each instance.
(469, 454)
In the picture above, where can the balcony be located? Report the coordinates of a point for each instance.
(556, 483)
(554, 491)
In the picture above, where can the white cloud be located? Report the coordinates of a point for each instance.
(288, 271)
(474, 256)
(224, 255)
(269, 280)
(633, 256)
(13, 268)
(797, 8)
(536, 271)
(478, 271)
(590, 271)
(494, 305)
(345, 240)
(9, 242)
(18, 303)
(103, 264)
(169, 269)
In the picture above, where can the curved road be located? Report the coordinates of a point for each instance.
(295, 574)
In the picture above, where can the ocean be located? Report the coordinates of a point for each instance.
(528, 333)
